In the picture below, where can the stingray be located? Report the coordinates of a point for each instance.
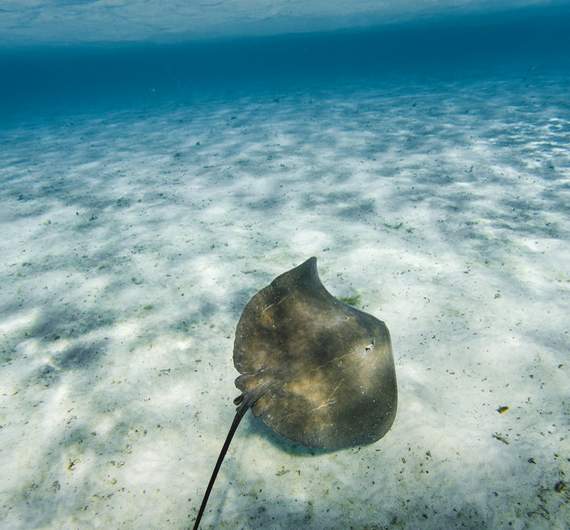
(314, 369)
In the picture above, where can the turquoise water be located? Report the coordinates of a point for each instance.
(71, 78)
(155, 173)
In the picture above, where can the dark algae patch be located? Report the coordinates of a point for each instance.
(353, 300)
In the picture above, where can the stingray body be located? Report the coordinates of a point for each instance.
(323, 370)
(315, 370)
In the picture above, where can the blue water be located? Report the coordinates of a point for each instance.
(78, 78)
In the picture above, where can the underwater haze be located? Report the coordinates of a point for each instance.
(161, 162)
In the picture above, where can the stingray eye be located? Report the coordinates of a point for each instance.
(370, 347)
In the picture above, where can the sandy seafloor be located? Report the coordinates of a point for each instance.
(131, 240)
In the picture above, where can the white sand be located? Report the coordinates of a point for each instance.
(128, 252)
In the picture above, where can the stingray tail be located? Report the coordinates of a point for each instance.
(244, 402)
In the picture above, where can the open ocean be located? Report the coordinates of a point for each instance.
(161, 162)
